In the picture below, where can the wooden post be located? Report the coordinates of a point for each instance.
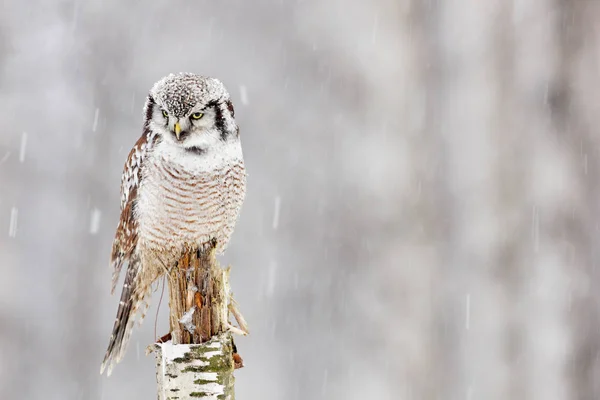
(198, 360)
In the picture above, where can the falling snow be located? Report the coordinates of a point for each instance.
(96, 115)
(468, 312)
(271, 279)
(535, 228)
(375, 29)
(95, 216)
(23, 147)
(133, 102)
(440, 169)
(244, 95)
(276, 213)
(12, 229)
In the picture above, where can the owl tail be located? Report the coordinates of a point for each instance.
(131, 298)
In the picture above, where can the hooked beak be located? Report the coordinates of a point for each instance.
(177, 130)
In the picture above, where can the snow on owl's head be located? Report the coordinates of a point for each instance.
(190, 111)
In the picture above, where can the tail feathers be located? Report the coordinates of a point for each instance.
(128, 306)
(145, 304)
(117, 264)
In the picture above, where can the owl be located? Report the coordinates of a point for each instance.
(182, 187)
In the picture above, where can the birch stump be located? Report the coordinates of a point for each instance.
(198, 360)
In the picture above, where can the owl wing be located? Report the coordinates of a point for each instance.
(126, 235)
(123, 250)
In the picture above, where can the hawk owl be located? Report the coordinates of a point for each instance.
(182, 187)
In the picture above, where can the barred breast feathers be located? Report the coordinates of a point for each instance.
(188, 198)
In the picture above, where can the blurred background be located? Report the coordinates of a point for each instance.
(422, 219)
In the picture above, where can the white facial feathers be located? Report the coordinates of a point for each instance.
(175, 99)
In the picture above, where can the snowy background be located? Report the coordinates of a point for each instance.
(422, 220)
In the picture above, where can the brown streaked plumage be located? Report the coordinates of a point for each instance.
(182, 187)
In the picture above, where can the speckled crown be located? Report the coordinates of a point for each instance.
(179, 93)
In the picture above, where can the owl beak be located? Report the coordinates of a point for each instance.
(177, 130)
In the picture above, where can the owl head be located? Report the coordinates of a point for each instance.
(190, 111)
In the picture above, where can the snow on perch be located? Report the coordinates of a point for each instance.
(186, 320)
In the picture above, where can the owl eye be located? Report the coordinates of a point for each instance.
(197, 115)
(165, 114)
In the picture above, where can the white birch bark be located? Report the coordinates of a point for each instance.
(204, 371)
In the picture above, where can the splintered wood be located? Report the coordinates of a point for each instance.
(200, 357)
(198, 298)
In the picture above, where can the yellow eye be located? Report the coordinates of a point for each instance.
(165, 114)
(197, 115)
